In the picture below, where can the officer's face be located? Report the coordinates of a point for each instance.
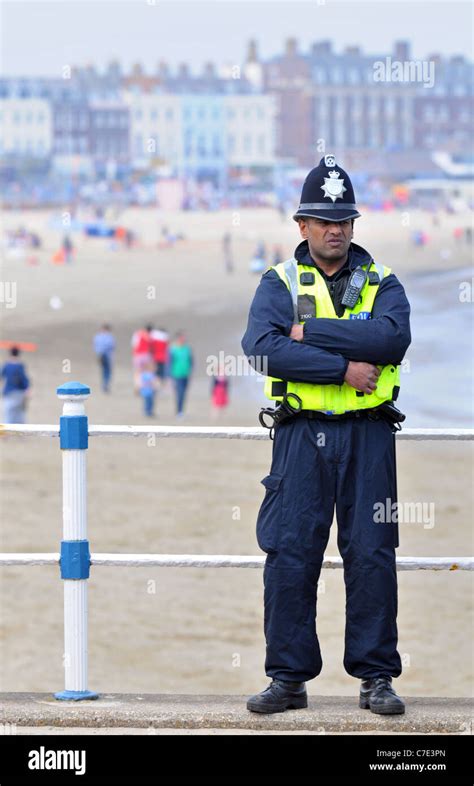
(328, 241)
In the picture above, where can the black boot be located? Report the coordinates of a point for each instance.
(378, 695)
(279, 696)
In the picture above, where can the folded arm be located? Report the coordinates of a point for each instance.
(266, 340)
(382, 339)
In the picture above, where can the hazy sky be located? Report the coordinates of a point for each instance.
(41, 37)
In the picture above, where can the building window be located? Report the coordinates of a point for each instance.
(201, 146)
(443, 113)
(169, 114)
(320, 76)
(231, 143)
(138, 114)
(323, 105)
(429, 112)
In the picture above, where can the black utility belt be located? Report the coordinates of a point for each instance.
(314, 414)
(291, 407)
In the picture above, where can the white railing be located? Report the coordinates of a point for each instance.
(75, 559)
(214, 432)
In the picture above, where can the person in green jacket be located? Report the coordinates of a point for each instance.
(181, 365)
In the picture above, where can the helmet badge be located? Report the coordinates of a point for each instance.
(333, 187)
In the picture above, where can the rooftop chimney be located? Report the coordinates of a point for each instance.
(209, 70)
(353, 51)
(321, 48)
(162, 69)
(252, 54)
(291, 47)
(401, 50)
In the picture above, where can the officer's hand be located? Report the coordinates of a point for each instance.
(362, 376)
(296, 333)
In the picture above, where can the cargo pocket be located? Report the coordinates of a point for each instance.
(269, 515)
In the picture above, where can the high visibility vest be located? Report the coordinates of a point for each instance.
(312, 299)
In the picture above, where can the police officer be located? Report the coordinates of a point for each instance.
(332, 326)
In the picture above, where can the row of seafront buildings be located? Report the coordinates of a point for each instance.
(245, 119)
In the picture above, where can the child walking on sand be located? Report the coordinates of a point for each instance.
(147, 389)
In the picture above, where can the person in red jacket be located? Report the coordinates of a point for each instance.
(142, 351)
(219, 393)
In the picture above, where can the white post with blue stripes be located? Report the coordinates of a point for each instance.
(75, 554)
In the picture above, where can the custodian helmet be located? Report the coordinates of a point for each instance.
(327, 193)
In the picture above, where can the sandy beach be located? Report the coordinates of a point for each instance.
(194, 630)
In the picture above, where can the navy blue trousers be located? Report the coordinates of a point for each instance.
(319, 467)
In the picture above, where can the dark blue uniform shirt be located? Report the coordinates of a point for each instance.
(328, 344)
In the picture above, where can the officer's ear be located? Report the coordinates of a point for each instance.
(303, 224)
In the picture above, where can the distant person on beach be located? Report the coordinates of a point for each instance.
(219, 394)
(67, 248)
(277, 255)
(15, 390)
(104, 346)
(257, 263)
(168, 238)
(181, 365)
(227, 253)
(160, 347)
(147, 388)
(142, 350)
(419, 238)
